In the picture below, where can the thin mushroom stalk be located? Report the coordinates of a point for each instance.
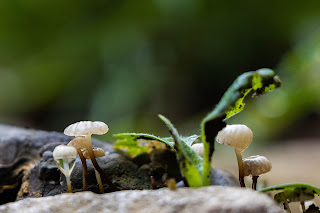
(254, 182)
(240, 167)
(79, 143)
(84, 172)
(96, 165)
(97, 152)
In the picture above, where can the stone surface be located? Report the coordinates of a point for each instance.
(206, 199)
(27, 168)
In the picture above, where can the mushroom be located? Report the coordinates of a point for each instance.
(65, 157)
(86, 129)
(79, 143)
(198, 148)
(255, 166)
(98, 152)
(240, 137)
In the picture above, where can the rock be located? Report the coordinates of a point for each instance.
(27, 168)
(206, 199)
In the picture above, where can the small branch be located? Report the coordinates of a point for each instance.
(153, 183)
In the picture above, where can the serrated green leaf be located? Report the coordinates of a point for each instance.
(190, 163)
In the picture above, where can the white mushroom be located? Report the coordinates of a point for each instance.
(240, 137)
(86, 129)
(98, 152)
(198, 148)
(80, 143)
(65, 157)
(255, 166)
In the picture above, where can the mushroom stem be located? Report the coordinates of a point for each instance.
(286, 206)
(254, 182)
(84, 172)
(153, 183)
(67, 173)
(303, 206)
(240, 166)
(99, 181)
(96, 165)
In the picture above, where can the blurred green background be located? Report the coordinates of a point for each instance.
(123, 62)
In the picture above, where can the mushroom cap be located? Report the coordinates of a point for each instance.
(98, 152)
(256, 165)
(78, 143)
(83, 128)
(62, 151)
(198, 148)
(237, 135)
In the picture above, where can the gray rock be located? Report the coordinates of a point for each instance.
(185, 200)
(27, 168)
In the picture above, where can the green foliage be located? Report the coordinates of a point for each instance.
(194, 169)
(292, 186)
(190, 163)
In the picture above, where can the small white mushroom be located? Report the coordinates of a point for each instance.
(86, 129)
(198, 148)
(80, 143)
(65, 157)
(256, 166)
(240, 137)
(98, 152)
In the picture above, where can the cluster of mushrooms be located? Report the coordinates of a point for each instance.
(65, 155)
(240, 137)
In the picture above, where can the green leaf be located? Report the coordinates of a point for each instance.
(190, 163)
(137, 136)
(130, 147)
(232, 102)
(293, 186)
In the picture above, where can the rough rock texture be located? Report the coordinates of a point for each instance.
(27, 168)
(206, 199)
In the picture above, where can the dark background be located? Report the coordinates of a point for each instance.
(124, 62)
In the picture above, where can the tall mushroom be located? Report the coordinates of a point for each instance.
(65, 157)
(255, 166)
(86, 129)
(98, 152)
(240, 137)
(80, 143)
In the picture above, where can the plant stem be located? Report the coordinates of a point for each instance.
(240, 167)
(96, 165)
(303, 206)
(84, 171)
(286, 206)
(67, 173)
(254, 182)
(99, 181)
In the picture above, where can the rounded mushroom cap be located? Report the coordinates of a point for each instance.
(62, 151)
(83, 128)
(256, 165)
(78, 143)
(237, 135)
(98, 152)
(198, 148)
